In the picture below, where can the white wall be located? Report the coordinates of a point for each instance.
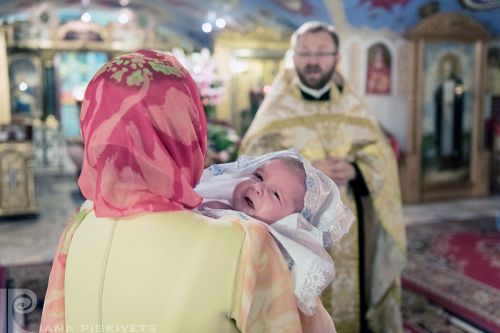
(391, 110)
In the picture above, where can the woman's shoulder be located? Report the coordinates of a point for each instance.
(170, 225)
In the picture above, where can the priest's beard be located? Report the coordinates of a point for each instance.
(315, 83)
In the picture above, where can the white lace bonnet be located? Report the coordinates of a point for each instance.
(302, 237)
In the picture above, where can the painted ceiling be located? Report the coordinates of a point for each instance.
(186, 17)
(402, 15)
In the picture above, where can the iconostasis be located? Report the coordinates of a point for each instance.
(249, 62)
(50, 55)
(447, 155)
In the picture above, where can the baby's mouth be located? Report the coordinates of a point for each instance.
(249, 202)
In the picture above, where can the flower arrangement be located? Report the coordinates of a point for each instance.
(204, 71)
(223, 140)
(223, 143)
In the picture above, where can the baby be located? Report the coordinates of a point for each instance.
(298, 204)
(274, 190)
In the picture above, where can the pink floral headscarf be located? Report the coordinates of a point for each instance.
(145, 135)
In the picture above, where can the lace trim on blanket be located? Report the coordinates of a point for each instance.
(315, 282)
(330, 215)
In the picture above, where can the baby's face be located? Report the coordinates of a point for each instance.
(274, 191)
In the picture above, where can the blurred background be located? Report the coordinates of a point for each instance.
(394, 54)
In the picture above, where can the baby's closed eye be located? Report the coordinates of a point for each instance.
(258, 176)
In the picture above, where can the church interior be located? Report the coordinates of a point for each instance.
(400, 57)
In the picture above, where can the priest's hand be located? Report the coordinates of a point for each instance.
(338, 169)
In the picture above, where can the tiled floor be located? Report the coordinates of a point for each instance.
(33, 239)
(452, 210)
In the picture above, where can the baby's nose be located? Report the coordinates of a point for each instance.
(258, 188)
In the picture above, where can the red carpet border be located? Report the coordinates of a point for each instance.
(456, 265)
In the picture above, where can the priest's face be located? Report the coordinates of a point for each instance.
(315, 58)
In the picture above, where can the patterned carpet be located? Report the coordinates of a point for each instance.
(455, 266)
(422, 316)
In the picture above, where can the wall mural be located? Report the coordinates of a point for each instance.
(448, 100)
(74, 71)
(493, 70)
(25, 92)
(493, 82)
(385, 4)
(184, 18)
(401, 15)
(481, 4)
(378, 70)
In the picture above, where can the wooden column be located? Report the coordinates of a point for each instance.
(4, 81)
